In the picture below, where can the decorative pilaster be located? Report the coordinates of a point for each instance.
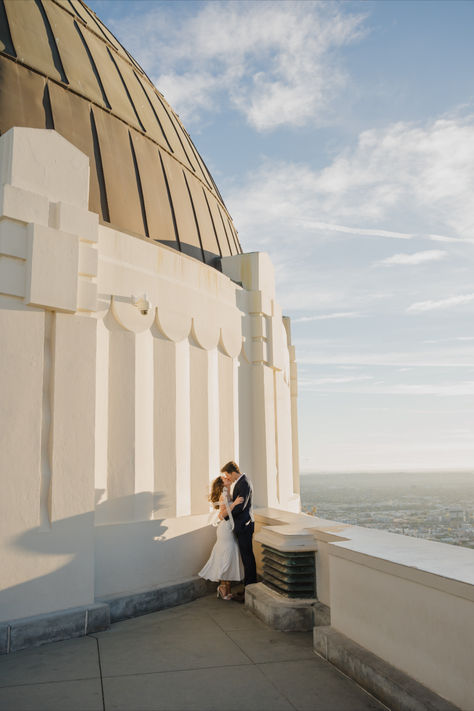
(264, 383)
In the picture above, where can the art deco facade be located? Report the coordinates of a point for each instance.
(140, 348)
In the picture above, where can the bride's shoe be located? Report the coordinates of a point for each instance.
(221, 595)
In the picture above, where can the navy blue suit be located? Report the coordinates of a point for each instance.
(243, 529)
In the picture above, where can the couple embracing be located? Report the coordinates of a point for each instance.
(231, 497)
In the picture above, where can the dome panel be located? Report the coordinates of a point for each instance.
(21, 97)
(121, 186)
(203, 217)
(233, 233)
(169, 127)
(6, 44)
(79, 10)
(139, 100)
(166, 129)
(147, 177)
(218, 224)
(202, 168)
(223, 220)
(159, 214)
(111, 80)
(183, 209)
(65, 4)
(29, 34)
(96, 25)
(81, 74)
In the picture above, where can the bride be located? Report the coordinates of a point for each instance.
(224, 564)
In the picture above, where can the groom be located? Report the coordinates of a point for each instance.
(243, 520)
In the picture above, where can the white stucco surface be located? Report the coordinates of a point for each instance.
(130, 373)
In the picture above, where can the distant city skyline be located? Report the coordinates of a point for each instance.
(341, 136)
(435, 506)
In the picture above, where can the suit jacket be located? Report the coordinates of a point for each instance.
(241, 512)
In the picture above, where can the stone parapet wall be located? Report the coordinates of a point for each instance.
(406, 600)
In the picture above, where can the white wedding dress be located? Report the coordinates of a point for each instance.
(224, 562)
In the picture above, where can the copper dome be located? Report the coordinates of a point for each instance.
(61, 68)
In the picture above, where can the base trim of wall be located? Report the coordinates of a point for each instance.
(97, 617)
(123, 606)
(282, 613)
(388, 684)
(53, 627)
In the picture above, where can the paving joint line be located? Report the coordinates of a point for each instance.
(238, 645)
(232, 640)
(52, 681)
(171, 671)
(100, 672)
(286, 661)
(280, 693)
(353, 681)
(257, 664)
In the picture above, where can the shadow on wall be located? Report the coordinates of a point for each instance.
(122, 509)
(71, 542)
(139, 555)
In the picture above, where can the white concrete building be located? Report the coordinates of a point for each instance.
(130, 373)
(141, 350)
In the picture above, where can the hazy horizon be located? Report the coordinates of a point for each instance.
(431, 470)
(434, 505)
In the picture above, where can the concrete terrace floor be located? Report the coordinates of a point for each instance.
(208, 654)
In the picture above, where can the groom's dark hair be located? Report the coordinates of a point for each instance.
(231, 467)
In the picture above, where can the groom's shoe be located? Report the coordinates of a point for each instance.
(239, 596)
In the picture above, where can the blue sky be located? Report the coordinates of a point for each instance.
(341, 136)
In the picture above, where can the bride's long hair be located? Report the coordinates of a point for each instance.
(217, 487)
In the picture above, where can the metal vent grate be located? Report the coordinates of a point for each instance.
(291, 574)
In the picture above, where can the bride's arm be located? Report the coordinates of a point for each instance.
(231, 505)
(222, 507)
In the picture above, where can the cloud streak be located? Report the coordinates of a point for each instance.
(327, 317)
(359, 231)
(452, 389)
(433, 255)
(312, 353)
(307, 383)
(450, 302)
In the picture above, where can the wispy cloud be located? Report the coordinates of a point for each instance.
(359, 231)
(276, 63)
(413, 259)
(444, 238)
(451, 389)
(440, 389)
(448, 303)
(325, 228)
(369, 232)
(306, 383)
(328, 317)
(447, 340)
(461, 357)
(419, 177)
